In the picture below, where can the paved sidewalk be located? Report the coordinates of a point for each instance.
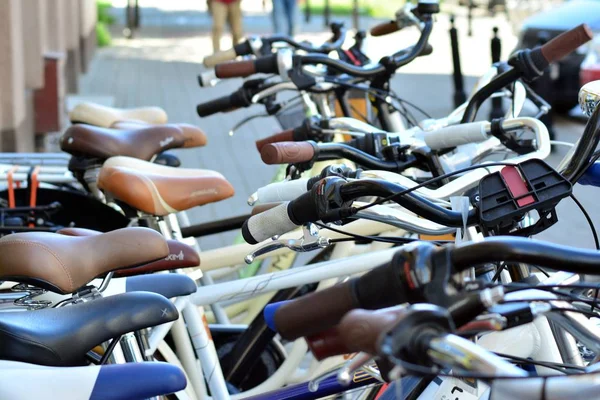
(160, 67)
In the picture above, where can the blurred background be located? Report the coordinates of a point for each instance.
(131, 53)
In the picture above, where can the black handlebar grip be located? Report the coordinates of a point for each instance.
(222, 104)
(267, 64)
(243, 49)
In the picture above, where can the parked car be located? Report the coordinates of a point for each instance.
(561, 85)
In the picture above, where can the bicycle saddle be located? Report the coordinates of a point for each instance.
(95, 114)
(167, 285)
(64, 264)
(62, 336)
(194, 136)
(180, 255)
(133, 381)
(143, 143)
(160, 190)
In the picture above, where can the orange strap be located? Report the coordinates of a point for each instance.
(34, 187)
(11, 188)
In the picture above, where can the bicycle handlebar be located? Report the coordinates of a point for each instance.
(269, 64)
(235, 100)
(393, 283)
(257, 45)
(517, 249)
(312, 206)
(530, 64)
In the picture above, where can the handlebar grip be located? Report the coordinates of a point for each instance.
(456, 135)
(312, 313)
(384, 28)
(287, 152)
(261, 208)
(235, 69)
(282, 191)
(381, 287)
(273, 222)
(208, 78)
(359, 330)
(219, 57)
(222, 104)
(285, 136)
(565, 43)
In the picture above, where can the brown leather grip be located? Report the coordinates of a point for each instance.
(287, 152)
(314, 312)
(384, 28)
(359, 330)
(235, 69)
(264, 207)
(566, 43)
(285, 136)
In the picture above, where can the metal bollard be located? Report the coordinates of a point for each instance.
(459, 90)
(497, 110)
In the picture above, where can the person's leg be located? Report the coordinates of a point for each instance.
(235, 22)
(219, 15)
(279, 16)
(291, 10)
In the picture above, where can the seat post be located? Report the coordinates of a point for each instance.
(90, 176)
(205, 279)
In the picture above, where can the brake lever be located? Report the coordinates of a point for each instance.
(309, 242)
(360, 361)
(245, 121)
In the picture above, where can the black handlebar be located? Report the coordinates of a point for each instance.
(525, 250)
(411, 201)
(391, 63)
(333, 151)
(326, 200)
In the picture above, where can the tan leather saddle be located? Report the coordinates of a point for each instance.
(64, 264)
(161, 190)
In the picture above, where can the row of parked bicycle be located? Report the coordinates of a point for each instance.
(423, 280)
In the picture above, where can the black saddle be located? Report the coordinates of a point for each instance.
(63, 336)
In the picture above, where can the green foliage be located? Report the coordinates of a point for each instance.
(104, 16)
(103, 37)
